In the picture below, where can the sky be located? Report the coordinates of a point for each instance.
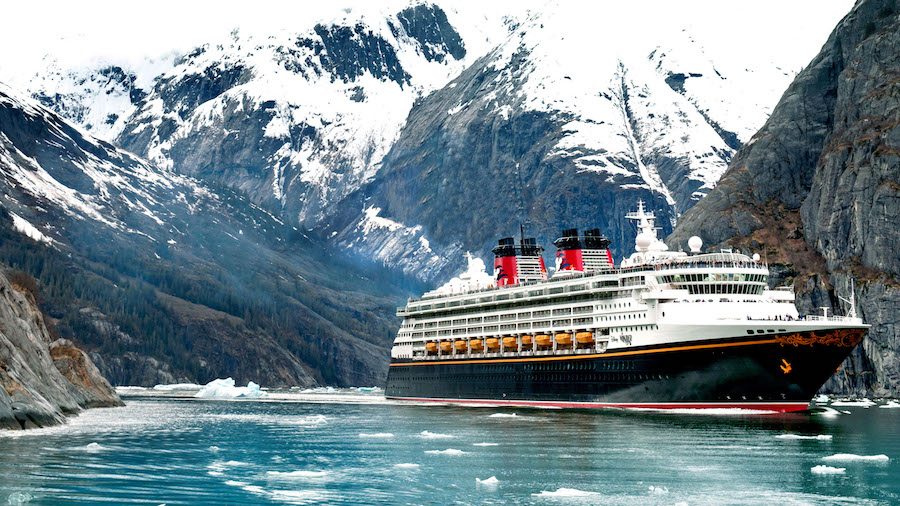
(116, 31)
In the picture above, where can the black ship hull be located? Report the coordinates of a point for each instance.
(779, 372)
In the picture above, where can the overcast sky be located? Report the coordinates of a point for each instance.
(74, 31)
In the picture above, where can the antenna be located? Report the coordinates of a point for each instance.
(851, 301)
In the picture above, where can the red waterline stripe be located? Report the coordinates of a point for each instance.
(778, 407)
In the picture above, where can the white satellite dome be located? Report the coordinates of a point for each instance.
(643, 241)
(695, 243)
(756, 257)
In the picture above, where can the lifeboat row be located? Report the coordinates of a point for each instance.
(563, 339)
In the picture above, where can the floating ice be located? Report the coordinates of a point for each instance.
(503, 415)
(235, 483)
(566, 492)
(658, 490)
(485, 444)
(299, 495)
(849, 457)
(376, 435)
(448, 451)
(19, 498)
(828, 470)
(406, 465)
(865, 403)
(178, 386)
(225, 389)
(890, 404)
(92, 448)
(298, 474)
(820, 399)
(491, 482)
(214, 448)
(820, 437)
(433, 435)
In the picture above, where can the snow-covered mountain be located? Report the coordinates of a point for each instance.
(408, 133)
(167, 278)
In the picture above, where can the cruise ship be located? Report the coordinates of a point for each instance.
(663, 330)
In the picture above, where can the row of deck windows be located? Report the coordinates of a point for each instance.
(714, 276)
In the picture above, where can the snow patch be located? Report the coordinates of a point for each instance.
(22, 225)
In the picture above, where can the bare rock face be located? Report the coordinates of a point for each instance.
(818, 190)
(89, 387)
(38, 388)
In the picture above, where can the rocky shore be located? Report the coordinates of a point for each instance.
(41, 379)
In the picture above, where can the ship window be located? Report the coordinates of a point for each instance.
(749, 331)
(760, 331)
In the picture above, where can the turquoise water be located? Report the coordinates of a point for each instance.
(357, 448)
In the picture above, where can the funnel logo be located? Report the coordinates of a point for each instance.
(500, 274)
(562, 263)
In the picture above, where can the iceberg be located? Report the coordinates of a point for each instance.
(849, 457)
(828, 470)
(890, 404)
(225, 389)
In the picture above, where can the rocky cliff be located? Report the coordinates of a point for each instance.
(41, 379)
(818, 190)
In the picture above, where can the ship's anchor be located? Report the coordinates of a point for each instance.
(786, 368)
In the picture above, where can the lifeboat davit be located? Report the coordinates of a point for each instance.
(460, 345)
(431, 347)
(526, 340)
(476, 344)
(542, 339)
(510, 342)
(584, 337)
(564, 339)
(492, 343)
(446, 346)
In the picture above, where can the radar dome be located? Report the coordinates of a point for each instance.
(756, 257)
(695, 243)
(643, 241)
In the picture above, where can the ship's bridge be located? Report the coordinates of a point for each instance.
(714, 273)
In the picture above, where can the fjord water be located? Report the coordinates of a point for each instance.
(358, 448)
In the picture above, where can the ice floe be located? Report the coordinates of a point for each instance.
(178, 386)
(19, 498)
(566, 492)
(433, 435)
(658, 490)
(488, 483)
(828, 470)
(406, 465)
(849, 457)
(503, 415)
(865, 403)
(381, 435)
(448, 451)
(225, 389)
(820, 437)
(890, 404)
(297, 474)
(485, 444)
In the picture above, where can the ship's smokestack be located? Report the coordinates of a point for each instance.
(518, 263)
(582, 253)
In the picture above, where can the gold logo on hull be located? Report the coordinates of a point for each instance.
(840, 337)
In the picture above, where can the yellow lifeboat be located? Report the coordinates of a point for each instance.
(446, 346)
(564, 339)
(493, 343)
(510, 342)
(584, 337)
(460, 345)
(431, 347)
(476, 344)
(526, 340)
(542, 339)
